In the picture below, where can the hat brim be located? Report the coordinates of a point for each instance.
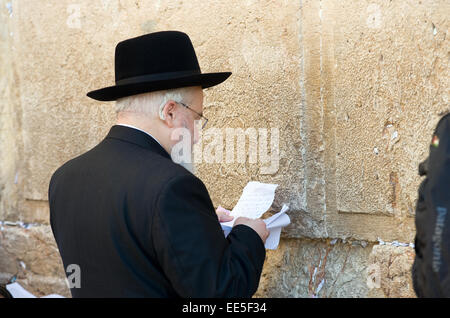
(113, 93)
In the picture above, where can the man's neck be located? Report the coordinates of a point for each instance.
(145, 128)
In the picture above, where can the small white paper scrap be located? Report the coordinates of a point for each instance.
(274, 224)
(17, 291)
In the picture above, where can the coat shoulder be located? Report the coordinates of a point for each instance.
(126, 160)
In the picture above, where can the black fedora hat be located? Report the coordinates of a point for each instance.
(156, 61)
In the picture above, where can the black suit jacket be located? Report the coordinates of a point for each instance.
(140, 225)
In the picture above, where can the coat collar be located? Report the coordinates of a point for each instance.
(137, 137)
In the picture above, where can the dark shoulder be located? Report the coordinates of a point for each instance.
(71, 165)
(128, 160)
(184, 179)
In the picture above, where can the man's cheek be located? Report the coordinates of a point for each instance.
(197, 131)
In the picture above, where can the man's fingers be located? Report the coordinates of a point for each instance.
(224, 216)
(221, 209)
(242, 219)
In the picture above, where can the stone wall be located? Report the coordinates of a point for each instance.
(352, 90)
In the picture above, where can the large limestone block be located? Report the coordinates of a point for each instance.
(11, 167)
(376, 79)
(391, 85)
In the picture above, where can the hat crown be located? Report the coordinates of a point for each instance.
(153, 62)
(155, 53)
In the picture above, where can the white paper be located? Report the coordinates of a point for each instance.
(53, 296)
(255, 200)
(17, 291)
(274, 224)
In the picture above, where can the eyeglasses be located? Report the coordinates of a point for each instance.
(204, 119)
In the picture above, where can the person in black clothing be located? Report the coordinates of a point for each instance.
(431, 268)
(137, 223)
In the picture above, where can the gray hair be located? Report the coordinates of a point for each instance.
(152, 103)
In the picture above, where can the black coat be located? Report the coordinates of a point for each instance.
(140, 225)
(431, 267)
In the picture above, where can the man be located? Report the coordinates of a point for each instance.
(136, 223)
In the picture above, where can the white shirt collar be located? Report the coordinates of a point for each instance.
(130, 126)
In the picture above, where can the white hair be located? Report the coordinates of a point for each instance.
(152, 103)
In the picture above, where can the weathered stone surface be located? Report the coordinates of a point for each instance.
(390, 82)
(34, 249)
(31, 256)
(371, 113)
(313, 268)
(393, 265)
(35, 211)
(40, 285)
(8, 263)
(11, 167)
(332, 268)
(354, 88)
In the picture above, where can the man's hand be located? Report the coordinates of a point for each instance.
(258, 225)
(223, 214)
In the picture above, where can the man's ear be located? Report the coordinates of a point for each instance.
(167, 113)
